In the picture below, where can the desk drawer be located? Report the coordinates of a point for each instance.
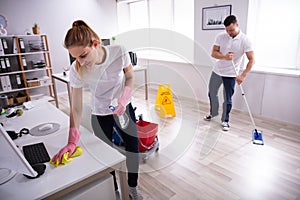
(100, 189)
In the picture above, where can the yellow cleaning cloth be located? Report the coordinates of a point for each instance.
(65, 159)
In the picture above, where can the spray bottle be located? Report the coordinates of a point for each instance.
(123, 119)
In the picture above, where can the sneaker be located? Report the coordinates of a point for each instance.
(207, 117)
(225, 126)
(134, 194)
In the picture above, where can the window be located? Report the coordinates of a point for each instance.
(138, 15)
(184, 17)
(173, 15)
(273, 26)
(161, 14)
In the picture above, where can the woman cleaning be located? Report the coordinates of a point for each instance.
(108, 72)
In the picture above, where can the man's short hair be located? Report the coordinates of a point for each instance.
(231, 19)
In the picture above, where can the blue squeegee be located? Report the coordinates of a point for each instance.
(256, 135)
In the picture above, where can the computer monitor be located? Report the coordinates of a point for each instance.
(105, 42)
(11, 159)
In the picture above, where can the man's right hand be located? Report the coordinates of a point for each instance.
(228, 56)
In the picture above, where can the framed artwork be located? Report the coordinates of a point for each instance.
(213, 17)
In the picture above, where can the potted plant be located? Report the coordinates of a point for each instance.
(113, 40)
(36, 29)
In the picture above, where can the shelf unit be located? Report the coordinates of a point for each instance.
(25, 67)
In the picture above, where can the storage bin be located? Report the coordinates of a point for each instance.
(147, 132)
(36, 45)
(45, 80)
(21, 99)
(10, 100)
(33, 83)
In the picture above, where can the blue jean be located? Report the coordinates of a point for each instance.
(213, 87)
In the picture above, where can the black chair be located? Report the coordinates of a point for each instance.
(72, 59)
(133, 58)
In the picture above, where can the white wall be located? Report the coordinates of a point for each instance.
(55, 17)
(273, 95)
(206, 37)
(269, 94)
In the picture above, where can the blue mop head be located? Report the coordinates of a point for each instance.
(257, 137)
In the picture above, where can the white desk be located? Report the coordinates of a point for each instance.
(97, 160)
(65, 79)
(145, 70)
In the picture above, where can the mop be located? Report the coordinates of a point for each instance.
(256, 134)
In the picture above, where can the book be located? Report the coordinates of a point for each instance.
(15, 47)
(5, 46)
(8, 67)
(1, 48)
(8, 83)
(22, 45)
(3, 83)
(3, 65)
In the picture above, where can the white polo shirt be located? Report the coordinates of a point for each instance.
(239, 45)
(105, 81)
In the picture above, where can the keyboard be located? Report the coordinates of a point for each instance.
(36, 153)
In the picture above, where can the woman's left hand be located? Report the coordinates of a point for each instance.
(120, 109)
(123, 100)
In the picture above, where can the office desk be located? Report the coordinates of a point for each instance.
(97, 160)
(65, 79)
(145, 70)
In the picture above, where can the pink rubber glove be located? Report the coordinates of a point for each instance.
(122, 101)
(70, 147)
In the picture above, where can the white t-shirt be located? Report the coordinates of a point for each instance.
(105, 81)
(239, 45)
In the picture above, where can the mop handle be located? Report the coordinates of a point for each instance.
(243, 94)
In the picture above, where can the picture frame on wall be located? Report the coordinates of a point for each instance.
(213, 17)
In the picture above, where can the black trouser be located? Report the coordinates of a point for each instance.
(129, 136)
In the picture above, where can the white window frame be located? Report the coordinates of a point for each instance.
(155, 54)
(268, 47)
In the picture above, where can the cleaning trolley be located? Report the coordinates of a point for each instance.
(147, 138)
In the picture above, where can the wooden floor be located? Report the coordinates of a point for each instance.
(197, 160)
